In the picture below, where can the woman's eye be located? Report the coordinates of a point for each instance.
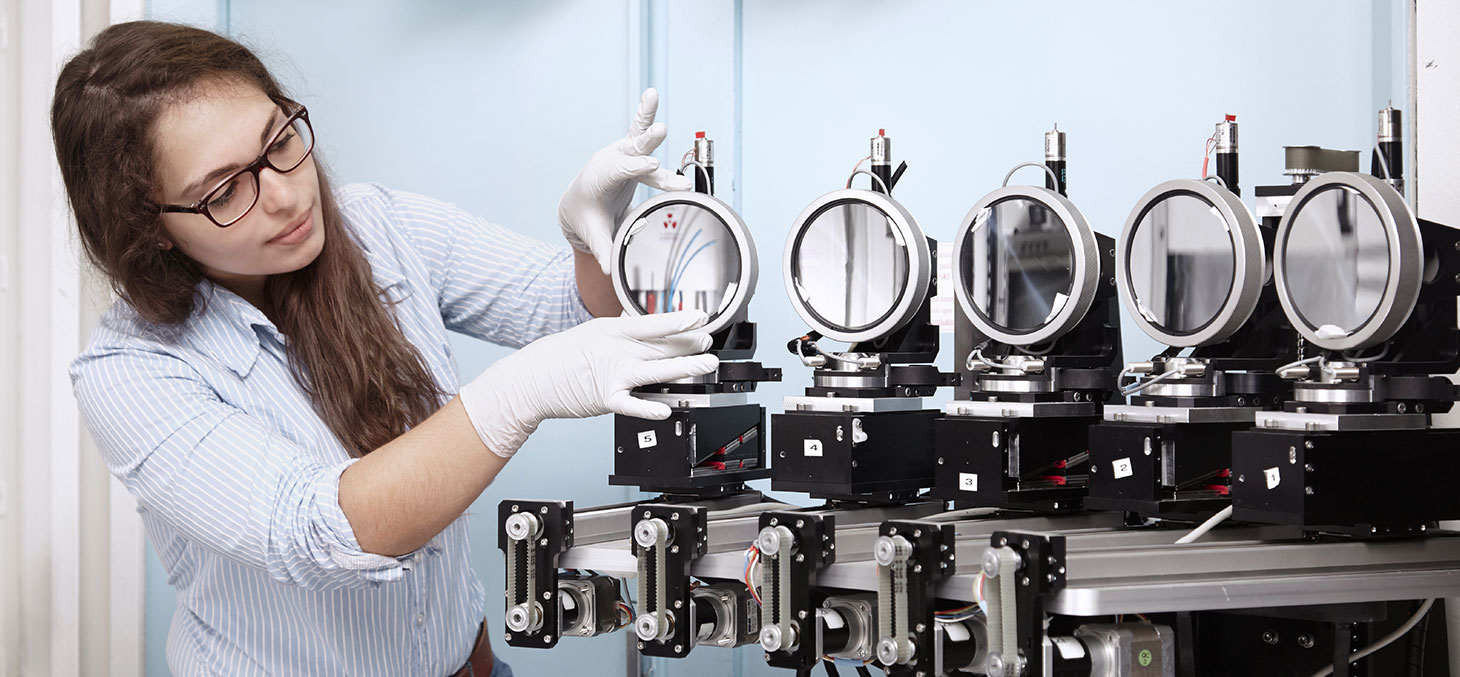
(283, 141)
(223, 198)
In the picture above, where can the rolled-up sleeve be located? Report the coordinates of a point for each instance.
(220, 477)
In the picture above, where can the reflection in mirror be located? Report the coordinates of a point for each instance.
(1018, 263)
(1336, 258)
(850, 265)
(1181, 263)
(680, 256)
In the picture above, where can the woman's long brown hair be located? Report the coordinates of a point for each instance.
(367, 382)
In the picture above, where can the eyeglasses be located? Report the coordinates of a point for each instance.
(234, 197)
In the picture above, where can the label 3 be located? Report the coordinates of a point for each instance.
(968, 481)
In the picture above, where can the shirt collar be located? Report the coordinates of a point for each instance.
(231, 329)
(226, 327)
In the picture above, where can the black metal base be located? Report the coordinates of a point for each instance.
(700, 451)
(1169, 470)
(1375, 483)
(879, 456)
(1018, 463)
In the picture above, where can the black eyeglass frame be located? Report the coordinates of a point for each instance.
(258, 165)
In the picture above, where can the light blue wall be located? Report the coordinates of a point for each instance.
(494, 105)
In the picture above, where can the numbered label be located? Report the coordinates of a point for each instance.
(811, 448)
(648, 439)
(1122, 468)
(1069, 648)
(968, 481)
(1274, 477)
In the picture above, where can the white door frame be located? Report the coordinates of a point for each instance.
(72, 566)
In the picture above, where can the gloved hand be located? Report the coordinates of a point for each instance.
(586, 371)
(593, 204)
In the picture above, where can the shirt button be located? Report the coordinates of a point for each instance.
(420, 619)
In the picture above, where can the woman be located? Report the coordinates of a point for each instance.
(274, 385)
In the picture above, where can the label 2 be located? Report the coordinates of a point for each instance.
(811, 448)
(1122, 468)
(648, 439)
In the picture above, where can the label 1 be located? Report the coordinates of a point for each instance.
(1274, 477)
(648, 439)
(811, 448)
(968, 481)
(1122, 468)
(1069, 647)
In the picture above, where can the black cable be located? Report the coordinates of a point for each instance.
(896, 176)
(863, 671)
(831, 669)
(1414, 652)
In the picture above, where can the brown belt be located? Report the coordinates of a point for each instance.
(479, 663)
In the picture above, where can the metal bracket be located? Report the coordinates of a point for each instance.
(532, 534)
(912, 559)
(1021, 571)
(793, 546)
(666, 540)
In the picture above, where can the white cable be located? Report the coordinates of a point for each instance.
(855, 169)
(1381, 355)
(699, 168)
(1299, 363)
(885, 189)
(835, 357)
(1386, 640)
(1139, 386)
(977, 356)
(1383, 162)
(1219, 180)
(1206, 526)
(1041, 165)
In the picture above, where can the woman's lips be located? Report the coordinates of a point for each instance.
(296, 234)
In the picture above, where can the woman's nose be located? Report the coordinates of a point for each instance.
(277, 193)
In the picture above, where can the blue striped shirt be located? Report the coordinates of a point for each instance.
(236, 477)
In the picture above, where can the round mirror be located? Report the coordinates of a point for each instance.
(850, 265)
(684, 251)
(1348, 261)
(1192, 263)
(1337, 260)
(1027, 265)
(1181, 263)
(856, 265)
(1022, 260)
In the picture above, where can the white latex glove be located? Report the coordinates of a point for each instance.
(592, 205)
(586, 371)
